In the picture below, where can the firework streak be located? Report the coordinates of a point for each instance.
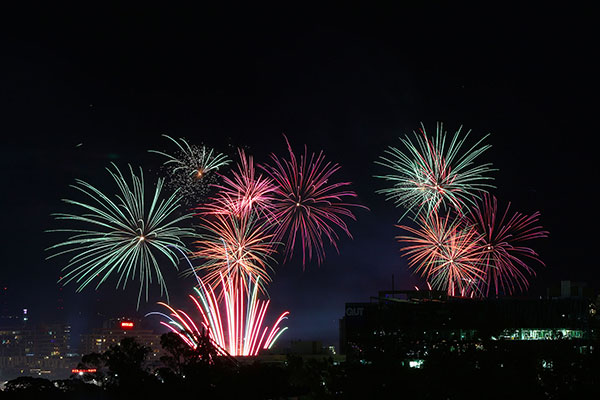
(245, 193)
(191, 169)
(501, 236)
(237, 332)
(306, 205)
(122, 235)
(432, 173)
(240, 248)
(445, 253)
(474, 254)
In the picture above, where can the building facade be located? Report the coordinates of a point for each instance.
(39, 351)
(408, 323)
(113, 331)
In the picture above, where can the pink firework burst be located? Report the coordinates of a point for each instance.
(306, 206)
(501, 238)
(446, 253)
(245, 192)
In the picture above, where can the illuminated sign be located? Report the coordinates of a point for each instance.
(354, 311)
(83, 371)
(126, 325)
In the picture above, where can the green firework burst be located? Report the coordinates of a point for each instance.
(434, 172)
(122, 235)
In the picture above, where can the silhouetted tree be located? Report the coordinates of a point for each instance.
(93, 361)
(29, 386)
(125, 362)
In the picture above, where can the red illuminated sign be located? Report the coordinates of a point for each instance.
(83, 371)
(126, 325)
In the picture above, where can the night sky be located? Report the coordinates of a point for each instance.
(350, 82)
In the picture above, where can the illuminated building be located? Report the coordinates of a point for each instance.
(15, 342)
(52, 340)
(46, 340)
(40, 351)
(406, 324)
(116, 329)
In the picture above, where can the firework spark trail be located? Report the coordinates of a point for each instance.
(306, 206)
(245, 193)
(501, 236)
(244, 317)
(446, 253)
(192, 169)
(122, 237)
(235, 247)
(434, 172)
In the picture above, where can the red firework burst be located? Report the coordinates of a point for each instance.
(500, 238)
(306, 206)
(446, 253)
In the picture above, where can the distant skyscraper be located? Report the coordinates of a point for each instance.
(52, 340)
(113, 331)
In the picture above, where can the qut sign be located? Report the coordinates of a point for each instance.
(354, 311)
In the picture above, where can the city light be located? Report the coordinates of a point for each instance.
(83, 371)
(126, 325)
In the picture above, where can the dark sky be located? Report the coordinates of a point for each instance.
(348, 81)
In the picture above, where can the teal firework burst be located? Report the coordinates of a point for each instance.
(433, 172)
(123, 235)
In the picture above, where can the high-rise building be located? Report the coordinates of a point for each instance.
(46, 340)
(15, 342)
(52, 340)
(42, 351)
(114, 330)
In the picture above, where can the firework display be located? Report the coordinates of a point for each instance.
(245, 193)
(434, 172)
(235, 247)
(192, 169)
(446, 253)
(124, 235)
(239, 331)
(242, 225)
(501, 235)
(307, 206)
(461, 244)
(293, 202)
